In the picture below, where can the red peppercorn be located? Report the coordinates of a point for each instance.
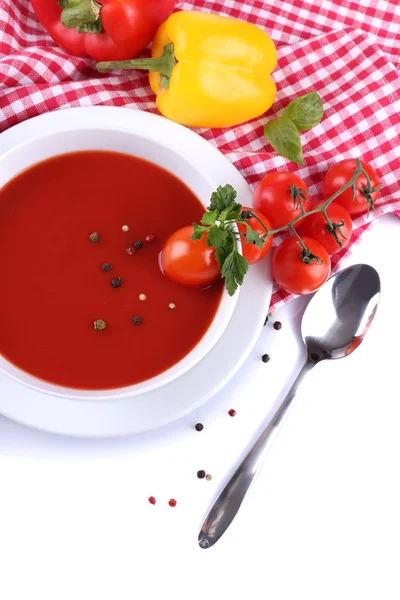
(172, 502)
(232, 412)
(150, 239)
(152, 500)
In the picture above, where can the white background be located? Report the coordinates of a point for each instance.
(321, 521)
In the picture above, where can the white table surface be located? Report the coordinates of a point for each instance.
(322, 520)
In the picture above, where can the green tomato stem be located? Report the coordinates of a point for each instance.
(351, 183)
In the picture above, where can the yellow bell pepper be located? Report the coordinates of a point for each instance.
(207, 70)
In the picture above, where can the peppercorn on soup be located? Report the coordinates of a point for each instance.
(84, 303)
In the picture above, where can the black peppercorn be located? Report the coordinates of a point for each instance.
(201, 474)
(137, 244)
(137, 320)
(199, 427)
(106, 267)
(116, 282)
(265, 358)
(277, 325)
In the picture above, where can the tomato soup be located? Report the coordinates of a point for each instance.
(53, 287)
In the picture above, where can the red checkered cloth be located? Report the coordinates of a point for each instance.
(346, 50)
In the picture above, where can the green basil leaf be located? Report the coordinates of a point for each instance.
(284, 137)
(198, 231)
(209, 218)
(252, 237)
(216, 237)
(306, 111)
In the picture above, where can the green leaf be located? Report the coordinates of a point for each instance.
(209, 218)
(233, 271)
(284, 137)
(252, 237)
(198, 231)
(224, 251)
(216, 237)
(234, 212)
(231, 213)
(305, 112)
(222, 198)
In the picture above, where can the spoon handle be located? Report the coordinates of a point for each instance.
(230, 499)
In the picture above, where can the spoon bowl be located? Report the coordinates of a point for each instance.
(340, 313)
(334, 324)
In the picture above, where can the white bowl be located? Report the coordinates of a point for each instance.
(144, 145)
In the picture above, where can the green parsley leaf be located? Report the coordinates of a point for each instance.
(209, 218)
(233, 271)
(222, 198)
(231, 213)
(198, 231)
(252, 237)
(219, 224)
(223, 251)
(234, 212)
(216, 237)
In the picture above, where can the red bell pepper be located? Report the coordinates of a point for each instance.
(105, 29)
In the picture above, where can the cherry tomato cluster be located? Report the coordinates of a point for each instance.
(301, 263)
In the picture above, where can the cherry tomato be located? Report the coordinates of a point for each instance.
(189, 262)
(293, 274)
(251, 252)
(316, 227)
(274, 199)
(339, 174)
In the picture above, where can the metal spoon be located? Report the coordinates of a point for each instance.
(334, 324)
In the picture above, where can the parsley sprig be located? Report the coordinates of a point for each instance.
(224, 213)
(219, 222)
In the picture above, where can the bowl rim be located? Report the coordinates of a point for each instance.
(207, 341)
(147, 412)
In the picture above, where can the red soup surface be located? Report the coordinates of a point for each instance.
(53, 287)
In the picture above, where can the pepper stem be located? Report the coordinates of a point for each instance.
(163, 64)
(84, 15)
